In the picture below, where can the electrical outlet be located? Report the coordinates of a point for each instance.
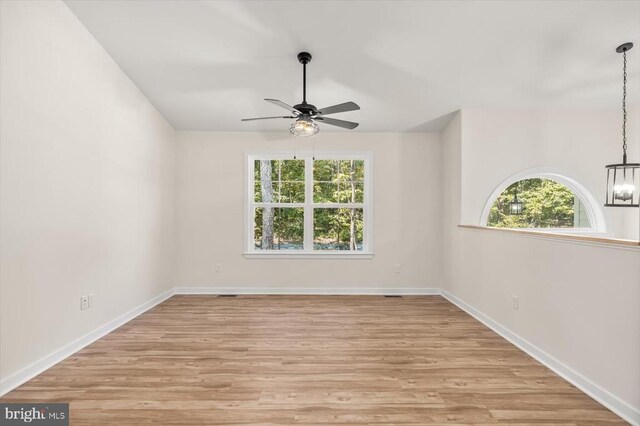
(90, 300)
(516, 303)
(218, 267)
(397, 268)
(84, 302)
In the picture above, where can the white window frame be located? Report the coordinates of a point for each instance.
(592, 207)
(308, 205)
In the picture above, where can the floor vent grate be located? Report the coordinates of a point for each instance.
(227, 295)
(392, 295)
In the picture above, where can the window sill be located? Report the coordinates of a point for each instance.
(571, 237)
(307, 255)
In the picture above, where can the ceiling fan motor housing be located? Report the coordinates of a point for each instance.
(306, 108)
(304, 57)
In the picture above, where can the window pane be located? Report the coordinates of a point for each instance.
(280, 192)
(580, 216)
(338, 192)
(352, 169)
(257, 191)
(338, 181)
(545, 204)
(337, 229)
(279, 181)
(291, 192)
(278, 228)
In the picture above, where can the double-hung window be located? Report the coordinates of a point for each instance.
(309, 205)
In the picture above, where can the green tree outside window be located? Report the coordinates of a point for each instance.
(547, 204)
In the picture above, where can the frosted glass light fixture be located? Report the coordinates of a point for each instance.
(304, 126)
(623, 179)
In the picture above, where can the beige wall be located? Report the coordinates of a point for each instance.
(90, 176)
(578, 303)
(577, 144)
(87, 185)
(450, 161)
(406, 225)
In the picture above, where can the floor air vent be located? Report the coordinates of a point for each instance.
(392, 295)
(227, 295)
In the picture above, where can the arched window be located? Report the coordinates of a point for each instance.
(543, 201)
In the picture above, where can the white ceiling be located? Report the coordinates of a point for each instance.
(408, 64)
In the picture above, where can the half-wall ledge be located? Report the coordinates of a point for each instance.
(307, 255)
(581, 239)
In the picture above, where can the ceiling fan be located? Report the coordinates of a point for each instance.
(307, 116)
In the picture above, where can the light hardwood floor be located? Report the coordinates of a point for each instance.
(308, 360)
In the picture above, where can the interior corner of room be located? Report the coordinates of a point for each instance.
(132, 195)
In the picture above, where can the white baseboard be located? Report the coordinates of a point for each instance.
(415, 291)
(32, 370)
(29, 372)
(615, 404)
(612, 402)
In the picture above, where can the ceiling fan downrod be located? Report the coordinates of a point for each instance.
(304, 58)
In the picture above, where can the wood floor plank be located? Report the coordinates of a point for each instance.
(311, 360)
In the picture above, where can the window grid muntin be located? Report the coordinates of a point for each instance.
(309, 206)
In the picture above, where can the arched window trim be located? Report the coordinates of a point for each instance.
(594, 212)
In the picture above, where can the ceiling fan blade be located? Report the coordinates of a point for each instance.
(340, 123)
(347, 106)
(285, 106)
(263, 118)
